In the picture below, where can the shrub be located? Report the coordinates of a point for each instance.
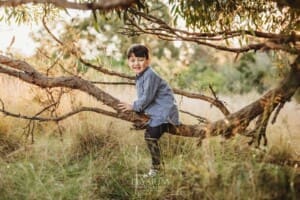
(8, 142)
(90, 143)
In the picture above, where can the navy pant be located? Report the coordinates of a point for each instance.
(152, 135)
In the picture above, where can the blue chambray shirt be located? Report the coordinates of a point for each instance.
(155, 98)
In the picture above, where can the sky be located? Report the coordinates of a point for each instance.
(20, 35)
(23, 43)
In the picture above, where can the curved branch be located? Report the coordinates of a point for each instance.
(200, 119)
(159, 28)
(112, 83)
(106, 71)
(103, 5)
(62, 117)
(221, 35)
(219, 104)
(233, 123)
(25, 72)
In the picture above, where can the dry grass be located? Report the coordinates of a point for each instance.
(99, 157)
(8, 142)
(23, 100)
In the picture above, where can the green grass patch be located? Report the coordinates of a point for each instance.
(96, 164)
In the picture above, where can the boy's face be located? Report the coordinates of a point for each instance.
(138, 64)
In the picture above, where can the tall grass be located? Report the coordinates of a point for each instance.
(101, 158)
(98, 165)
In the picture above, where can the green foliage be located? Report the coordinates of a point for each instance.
(109, 50)
(81, 68)
(91, 144)
(250, 75)
(251, 72)
(199, 76)
(97, 165)
(106, 163)
(27, 14)
(229, 169)
(215, 16)
(8, 142)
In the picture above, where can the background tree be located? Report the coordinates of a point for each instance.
(233, 26)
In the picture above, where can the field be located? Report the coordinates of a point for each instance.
(90, 156)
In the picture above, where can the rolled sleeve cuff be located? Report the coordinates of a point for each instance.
(136, 107)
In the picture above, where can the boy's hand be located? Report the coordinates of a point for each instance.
(125, 107)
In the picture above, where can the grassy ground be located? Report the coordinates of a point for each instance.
(101, 158)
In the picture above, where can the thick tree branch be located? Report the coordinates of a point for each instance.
(102, 5)
(213, 36)
(294, 4)
(233, 123)
(155, 26)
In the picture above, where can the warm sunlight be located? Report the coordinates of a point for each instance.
(115, 100)
(16, 38)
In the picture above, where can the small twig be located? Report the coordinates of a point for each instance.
(54, 111)
(46, 108)
(48, 30)
(236, 57)
(2, 104)
(200, 119)
(53, 64)
(31, 132)
(112, 83)
(278, 109)
(217, 99)
(213, 92)
(62, 117)
(28, 130)
(60, 130)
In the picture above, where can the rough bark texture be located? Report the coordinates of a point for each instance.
(103, 5)
(233, 123)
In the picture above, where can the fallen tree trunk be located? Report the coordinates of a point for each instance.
(232, 124)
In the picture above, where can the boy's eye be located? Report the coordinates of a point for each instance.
(138, 60)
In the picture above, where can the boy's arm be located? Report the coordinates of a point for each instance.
(125, 106)
(150, 85)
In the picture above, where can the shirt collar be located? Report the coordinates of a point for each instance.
(141, 74)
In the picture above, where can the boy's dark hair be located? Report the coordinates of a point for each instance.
(138, 50)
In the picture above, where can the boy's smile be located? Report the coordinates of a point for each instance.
(138, 64)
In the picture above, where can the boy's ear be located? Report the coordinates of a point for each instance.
(148, 61)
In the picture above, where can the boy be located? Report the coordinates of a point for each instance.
(155, 98)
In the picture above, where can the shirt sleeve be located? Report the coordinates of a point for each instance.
(150, 86)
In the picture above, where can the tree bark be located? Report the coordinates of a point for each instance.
(232, 124)
(103, 5)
